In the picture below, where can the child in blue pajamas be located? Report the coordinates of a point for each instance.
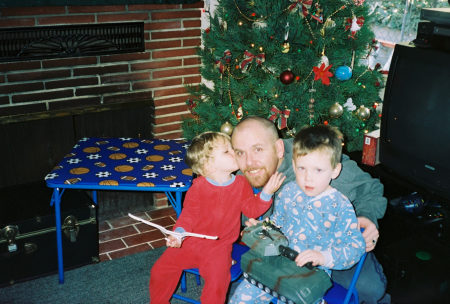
(318, 220)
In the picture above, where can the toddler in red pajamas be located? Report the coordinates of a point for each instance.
(212, 206)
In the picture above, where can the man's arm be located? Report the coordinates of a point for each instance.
(363, 191)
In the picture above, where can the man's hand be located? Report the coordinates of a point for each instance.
(370, 233)
(313, 256)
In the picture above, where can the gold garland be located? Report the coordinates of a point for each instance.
(266, 17)
(247, 18)
(231, 99)
(322, 31)
(356, 80)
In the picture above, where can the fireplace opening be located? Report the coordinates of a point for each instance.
(39, 141)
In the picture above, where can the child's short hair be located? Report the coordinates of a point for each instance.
(202, 145)
(319, 137)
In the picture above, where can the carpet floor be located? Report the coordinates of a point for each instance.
(124, 280)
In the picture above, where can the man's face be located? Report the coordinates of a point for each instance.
(257, 153)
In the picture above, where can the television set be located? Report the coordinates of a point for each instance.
(415, 123)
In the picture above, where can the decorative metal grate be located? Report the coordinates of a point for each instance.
(30, 3)
(71, 41)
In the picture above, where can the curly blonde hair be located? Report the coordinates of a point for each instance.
(200, 149)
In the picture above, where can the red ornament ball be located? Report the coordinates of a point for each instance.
(287, 77)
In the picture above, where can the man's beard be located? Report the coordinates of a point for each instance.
(257, 181)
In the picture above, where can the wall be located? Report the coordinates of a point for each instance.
(172, 32)
(160, 73)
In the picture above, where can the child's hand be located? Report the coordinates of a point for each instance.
(313, 256)
(274, 183)
(251, 222)
(174, 242)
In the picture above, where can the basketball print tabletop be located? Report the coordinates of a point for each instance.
(123, 162)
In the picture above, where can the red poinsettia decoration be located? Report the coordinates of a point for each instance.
(323, 73)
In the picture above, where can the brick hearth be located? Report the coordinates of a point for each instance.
(123, 236)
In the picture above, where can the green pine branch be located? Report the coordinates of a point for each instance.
(260, 27)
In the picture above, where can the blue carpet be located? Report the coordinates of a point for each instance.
(123, 280)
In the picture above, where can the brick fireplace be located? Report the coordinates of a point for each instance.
(64, 84)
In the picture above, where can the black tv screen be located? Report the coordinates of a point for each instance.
(415, 123)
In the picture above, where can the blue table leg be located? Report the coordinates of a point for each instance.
(56, 200)
(178, 199)
(94, 196)
(175, 202)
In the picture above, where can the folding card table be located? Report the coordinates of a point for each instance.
(155, 165)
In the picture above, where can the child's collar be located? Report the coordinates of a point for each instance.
(228, 182)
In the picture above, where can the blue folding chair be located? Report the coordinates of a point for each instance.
(235, 270)
(338, 294)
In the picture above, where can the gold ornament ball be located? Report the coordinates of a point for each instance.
(363, 113)
(226, 128)
(336, 110)
(285, 47)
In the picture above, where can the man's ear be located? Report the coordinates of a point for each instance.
(279, 146)
(336, 171)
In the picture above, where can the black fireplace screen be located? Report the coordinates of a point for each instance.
(71, 41)
(29, 3)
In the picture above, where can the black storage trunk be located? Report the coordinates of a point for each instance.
(26, 211)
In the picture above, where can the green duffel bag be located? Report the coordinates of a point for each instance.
(282, 278)
(264, 238)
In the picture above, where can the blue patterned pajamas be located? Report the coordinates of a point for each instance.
(325, 223)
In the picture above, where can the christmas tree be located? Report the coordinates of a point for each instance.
(296, 62)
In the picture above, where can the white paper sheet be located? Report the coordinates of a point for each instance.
(168, 232)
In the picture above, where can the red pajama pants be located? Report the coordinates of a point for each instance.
(213, 264)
